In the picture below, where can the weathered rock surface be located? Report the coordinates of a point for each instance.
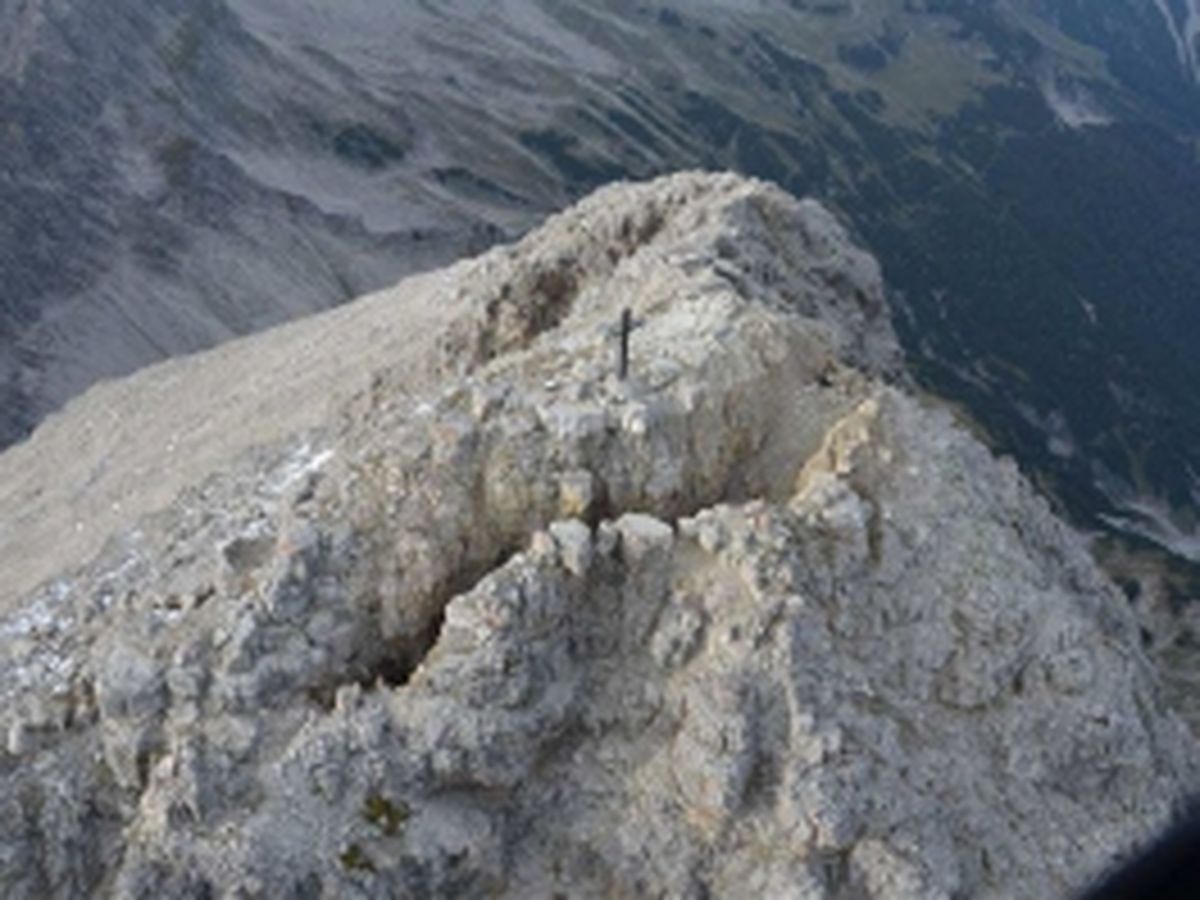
(754, 622)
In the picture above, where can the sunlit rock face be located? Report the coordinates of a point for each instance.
(483, 618)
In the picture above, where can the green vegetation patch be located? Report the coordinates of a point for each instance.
(563, 152)
(363, 146)
(385, 815)
(176, 157)
(355, 859)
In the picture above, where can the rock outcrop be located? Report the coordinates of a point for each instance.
(754, 621)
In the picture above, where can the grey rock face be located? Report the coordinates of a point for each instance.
(176, 173)
(174, 178)
(754, 621)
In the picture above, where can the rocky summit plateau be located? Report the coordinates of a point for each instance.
(419, 598)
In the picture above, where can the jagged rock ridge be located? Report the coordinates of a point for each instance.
(755, 621)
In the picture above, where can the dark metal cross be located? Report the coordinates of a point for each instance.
(626, 327)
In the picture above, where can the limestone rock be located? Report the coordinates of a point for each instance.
(755, 621)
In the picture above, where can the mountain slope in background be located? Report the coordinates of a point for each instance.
(176, 173)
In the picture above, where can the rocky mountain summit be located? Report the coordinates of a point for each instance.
(174, 173)
(469, 615)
